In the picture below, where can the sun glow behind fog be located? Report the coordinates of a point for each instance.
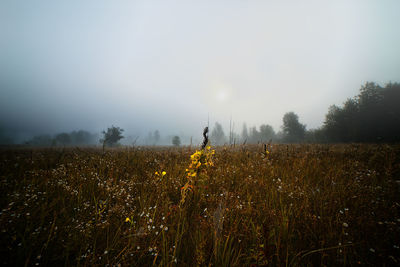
(221, 96)
(221, 92)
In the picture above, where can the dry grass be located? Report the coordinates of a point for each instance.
(299, 205)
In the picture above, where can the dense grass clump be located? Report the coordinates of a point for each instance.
(296, 205)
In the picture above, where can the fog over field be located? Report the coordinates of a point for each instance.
(173, 65)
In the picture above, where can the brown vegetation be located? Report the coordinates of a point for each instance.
(294, 205)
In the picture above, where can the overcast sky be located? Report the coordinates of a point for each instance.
(147, 65)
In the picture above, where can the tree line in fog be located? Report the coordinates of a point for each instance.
(372, 116)
(74, 138)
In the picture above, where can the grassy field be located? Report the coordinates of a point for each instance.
(295, 205)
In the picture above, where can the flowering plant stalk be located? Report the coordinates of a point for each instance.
(200, 161)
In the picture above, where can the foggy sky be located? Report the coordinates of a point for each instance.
(168, 65)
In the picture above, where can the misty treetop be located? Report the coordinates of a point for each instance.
(112, 136)
(372, 116)
(293, 130)
(176, 140)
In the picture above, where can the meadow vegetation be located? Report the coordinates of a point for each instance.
(286, 205)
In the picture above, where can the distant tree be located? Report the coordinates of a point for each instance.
(279, 137)
(315, 136)
(217, 135)
(254, 135)
(333, 124)
(176, 140)
(235, 138)
(245, 133)
(149, 140)
(293, 130)
(156, 137)
(63, 139)
(390, 110)
(372, 116)
(370, 95)
(350, 120)
(341, 124)
(111, 136)
(82, 137)
(41, 140)
(371, 119)
(266, 133)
